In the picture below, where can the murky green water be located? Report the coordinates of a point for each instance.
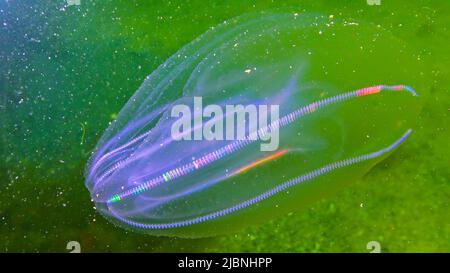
(67, 71)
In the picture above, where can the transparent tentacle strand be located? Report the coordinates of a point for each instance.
(284, 186)
(222, 152)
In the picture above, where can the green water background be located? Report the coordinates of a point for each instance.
(67, 71)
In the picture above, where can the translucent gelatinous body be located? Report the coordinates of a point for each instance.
(343, 106)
